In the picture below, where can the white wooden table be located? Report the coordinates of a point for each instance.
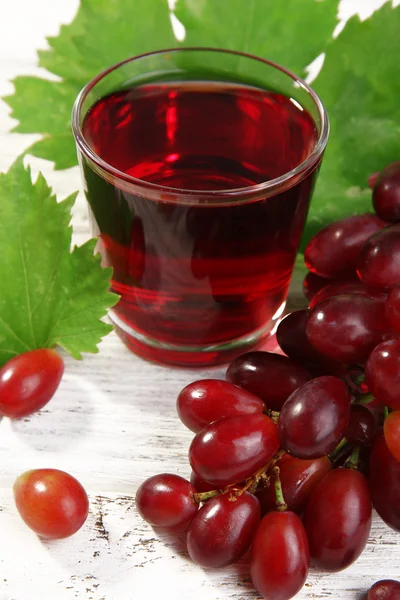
(112, 424)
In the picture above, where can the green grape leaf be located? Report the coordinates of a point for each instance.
(360, 87)
(291, 33)
(359, 81)
(49, 295)
(103, 32)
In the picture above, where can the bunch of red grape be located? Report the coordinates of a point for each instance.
(291, 452)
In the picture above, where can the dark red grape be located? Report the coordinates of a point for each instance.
(29, 381)
(384, 483)
(312, 284)
(292, 339)
(199, 484)
(298, 479)
(378, 264)
(391, 430)
(361, 428)
(386, 589)
(166, 500)
(233, 448)
(386, 193)
(346, 328)
(279, 556)
(333, 251)
(223, 529)
(338, 519)
(393, 308)
(382, 373)
(51, 502)
(207, 400)
(269, 376)
(313, 419)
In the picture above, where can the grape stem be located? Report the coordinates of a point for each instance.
(273, 415)
(385, 412)
(255, 480)
(358, 379)
(352, 461)
(338, 450)
(250, 484)
(281, 505)
(364, 398)
(204, 496)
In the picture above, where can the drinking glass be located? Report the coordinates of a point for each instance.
(198, 167)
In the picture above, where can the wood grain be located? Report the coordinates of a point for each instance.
(111, 424)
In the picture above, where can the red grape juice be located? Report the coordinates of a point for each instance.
(200, 280)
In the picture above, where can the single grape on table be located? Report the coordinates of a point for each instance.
(28, 381)
(51, 502)
(386, 589)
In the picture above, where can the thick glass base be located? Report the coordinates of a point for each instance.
(189, 356)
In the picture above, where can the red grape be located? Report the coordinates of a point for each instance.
(313, 419)
(29, 381)
(392, 308)
(338, 519)
(386, 589)
(233, 448)
(199, 484)
(386, 193)
(207, 400)
(378, 264)
(334, 250)
(382, 373)
(269, 376)
(384, 483)
(223, 529)
(391, 430)
(298, 479)
(338, 288)
(361, 428)
(51, 502)
(279, 556)
(292, 339)
(166, 500)
(346, 328)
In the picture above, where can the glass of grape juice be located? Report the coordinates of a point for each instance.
(198, 167)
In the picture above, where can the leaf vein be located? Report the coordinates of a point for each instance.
(28, 299)
(10, 330)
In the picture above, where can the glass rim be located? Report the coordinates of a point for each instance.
(278, 184)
